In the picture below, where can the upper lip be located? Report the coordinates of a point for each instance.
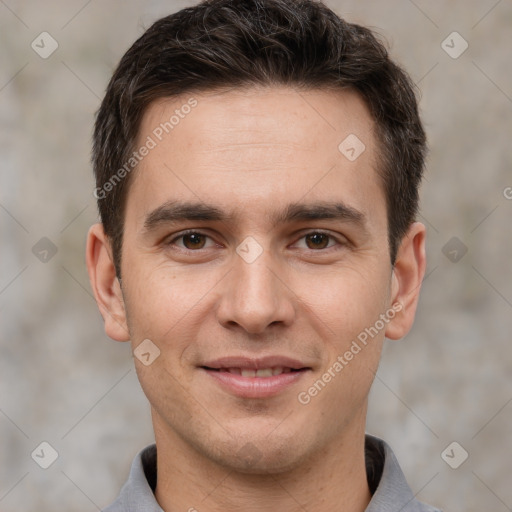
(251, 363)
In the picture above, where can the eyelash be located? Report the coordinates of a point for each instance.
(319, 232)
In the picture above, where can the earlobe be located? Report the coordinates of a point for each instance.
(407, 277)
(105, 285)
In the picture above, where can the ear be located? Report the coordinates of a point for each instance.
(105, 284)
(407, 277)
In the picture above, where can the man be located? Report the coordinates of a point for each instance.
(257, 166)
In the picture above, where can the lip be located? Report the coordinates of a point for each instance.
(250, 363)
(254, 387)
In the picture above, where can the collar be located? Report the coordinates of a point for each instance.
(390, 491)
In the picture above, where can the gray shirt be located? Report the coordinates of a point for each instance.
(390, 491)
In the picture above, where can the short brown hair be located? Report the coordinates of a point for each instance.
(238, 43)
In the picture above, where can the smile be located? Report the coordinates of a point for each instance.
(250, 383)
(263, 372)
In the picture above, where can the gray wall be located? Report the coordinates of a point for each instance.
(64, 382)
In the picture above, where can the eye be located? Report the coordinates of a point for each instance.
(195, 240)
(318, 240)
(192, 240)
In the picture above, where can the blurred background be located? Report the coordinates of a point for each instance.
(63, 382)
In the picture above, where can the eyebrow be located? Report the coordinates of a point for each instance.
(179, 211)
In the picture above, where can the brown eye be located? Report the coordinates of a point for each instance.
(317, 240)
(193, 240)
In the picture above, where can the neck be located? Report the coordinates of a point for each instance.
(334, 478)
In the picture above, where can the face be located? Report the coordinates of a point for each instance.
(252, 243)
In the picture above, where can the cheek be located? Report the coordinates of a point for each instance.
(347, 306)
(159, 301)
(160, 307)
(346, 300)
(356, 301)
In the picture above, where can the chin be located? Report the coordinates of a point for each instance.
(258, 454)
(254, 460)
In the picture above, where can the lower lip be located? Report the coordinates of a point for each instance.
(255, 387)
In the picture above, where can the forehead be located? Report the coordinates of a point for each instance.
(258, 114)
(256, 147)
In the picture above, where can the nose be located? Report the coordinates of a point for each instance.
(256, 296)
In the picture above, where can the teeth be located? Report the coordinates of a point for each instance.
(267, 372)
(262, 372)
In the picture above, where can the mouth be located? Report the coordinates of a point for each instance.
(255, 378)
(260, 373)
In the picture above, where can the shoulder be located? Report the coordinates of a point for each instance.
(137, 494)
(391, 490)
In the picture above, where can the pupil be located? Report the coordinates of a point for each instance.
(316, 238)
(195, 237)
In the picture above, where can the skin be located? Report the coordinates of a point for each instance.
(251, 152)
